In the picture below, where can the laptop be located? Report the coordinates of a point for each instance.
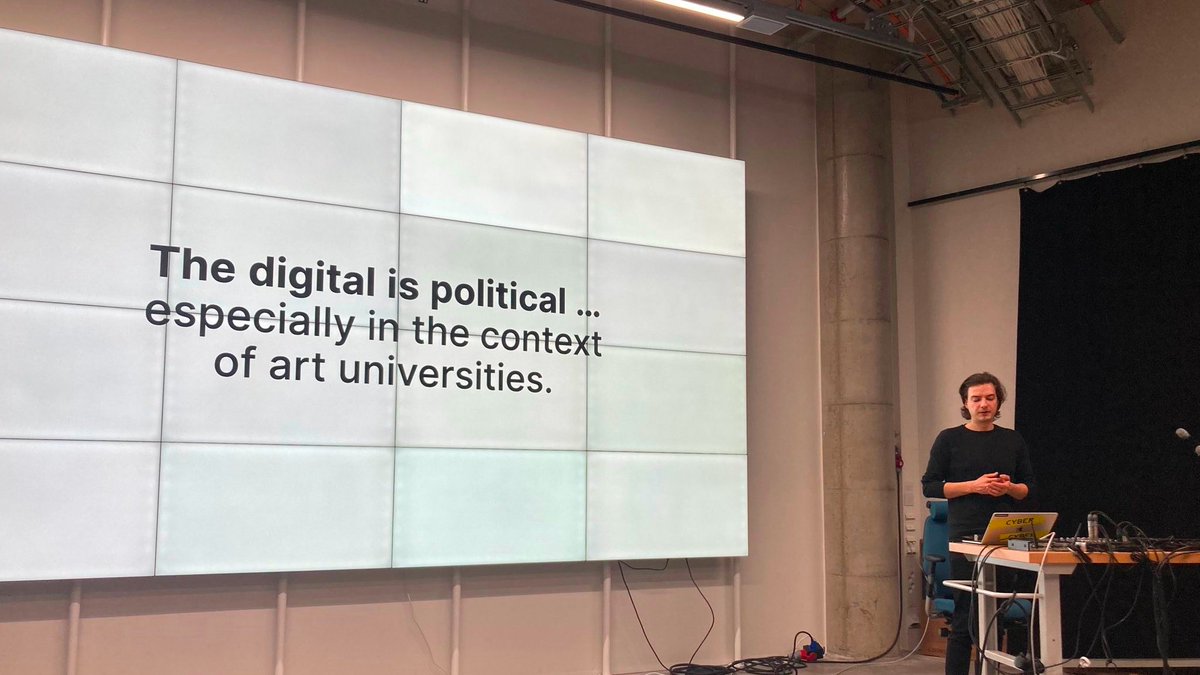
(1005, 526)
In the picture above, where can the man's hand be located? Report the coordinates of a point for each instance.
(1018, 490)
(992, 484)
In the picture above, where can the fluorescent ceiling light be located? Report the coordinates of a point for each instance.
(704, 9)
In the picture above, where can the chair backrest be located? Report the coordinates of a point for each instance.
(937, 543)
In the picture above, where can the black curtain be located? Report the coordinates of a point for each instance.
(1108, 366)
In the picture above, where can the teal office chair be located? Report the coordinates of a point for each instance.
(935, 556)
(935, 566)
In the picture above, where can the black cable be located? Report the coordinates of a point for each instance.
(679, 668)
(1162, 618)
(1145, 563)
(698, 669)
(973, 607)
(767, 665)
(1094, 585)
(621, 568)
(1087, 563)
(666, 563)
(1002, 610)
(1161, 605)
(1105, 582)
(796, 637)
(1137, 594)
(1103, 607)
(1162, 627)
(791, 664)
(1143, 557)
(1039, 592)
(692, 668)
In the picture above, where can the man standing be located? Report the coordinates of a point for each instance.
(981, 469)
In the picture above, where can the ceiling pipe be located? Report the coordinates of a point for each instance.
(751, 44)
(834, 24)
(765, 18)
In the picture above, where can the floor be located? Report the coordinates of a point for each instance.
(935, 665)
(931, 665)
(913, 665)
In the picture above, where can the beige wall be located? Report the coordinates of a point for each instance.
(538, 61)
(958, 261)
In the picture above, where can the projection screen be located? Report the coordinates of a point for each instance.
(252, 325)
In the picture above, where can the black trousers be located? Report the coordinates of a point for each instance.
(962, 623)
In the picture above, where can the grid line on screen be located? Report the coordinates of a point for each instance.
(667, 248)
(587, 325)
(499, 351)
(49, 439)
(396, 390)
(355, 208)
(588, 237)
(209, 187)
(290, 199)
(69, 303)
(673, 350)
(247, 443)
(458, 446)
(499, 228)
(85, 172)
(162, 398)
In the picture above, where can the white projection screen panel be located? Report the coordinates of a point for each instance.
(253, 325)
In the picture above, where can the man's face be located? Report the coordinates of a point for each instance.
(982, 404)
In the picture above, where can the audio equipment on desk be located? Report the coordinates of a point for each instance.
(1105, 545)
(1081, 544)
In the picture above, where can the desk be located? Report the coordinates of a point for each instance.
(1049, 609)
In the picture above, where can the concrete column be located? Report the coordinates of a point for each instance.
(857, 355)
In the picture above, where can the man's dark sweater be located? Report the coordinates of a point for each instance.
(960, 454)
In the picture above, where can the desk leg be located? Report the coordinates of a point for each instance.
(1050, 620)
(986, 607)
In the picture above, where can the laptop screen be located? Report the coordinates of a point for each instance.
(1005, 526)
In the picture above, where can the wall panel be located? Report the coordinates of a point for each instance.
(403, 50)
(194, 626)
(369, 622)
(71, 19)
(559, 610)
(776, 122)
(670, 89)
(527, 52)
(256, 36)
(33, 635)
